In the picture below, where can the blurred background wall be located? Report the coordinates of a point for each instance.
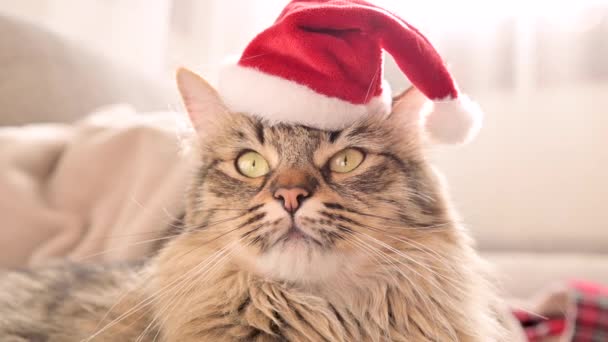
(536, 179)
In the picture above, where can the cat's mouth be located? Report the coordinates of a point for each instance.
(295, 234)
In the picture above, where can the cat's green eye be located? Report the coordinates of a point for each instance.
(251, 164)
(346, 160)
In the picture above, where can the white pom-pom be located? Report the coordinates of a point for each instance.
(453, 121)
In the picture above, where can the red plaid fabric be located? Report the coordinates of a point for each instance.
(591, 316)
(538, 328)
(585, 319)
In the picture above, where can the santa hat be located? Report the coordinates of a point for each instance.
(321, 65)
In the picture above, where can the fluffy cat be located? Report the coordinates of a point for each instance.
(290, 234)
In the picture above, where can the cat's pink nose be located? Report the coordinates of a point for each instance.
(291, 197)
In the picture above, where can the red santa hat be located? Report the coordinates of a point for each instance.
(321, 65)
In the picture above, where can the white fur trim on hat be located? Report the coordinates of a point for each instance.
(453, 121)
(279, 100)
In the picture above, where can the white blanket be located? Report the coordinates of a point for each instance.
(99, 189)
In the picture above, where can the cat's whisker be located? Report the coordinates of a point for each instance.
(375, 253)
(133, 309)
(412, 284)
(410, 242)
(181, 285)
(425, 266)
(156, 335)
(218, 254)
(165, 211)
(201, 277)
(178, 219)
(188, 231)
(434, 228)
(227, 209)
(368, 250)
(420, 195)
(189, 283)
(413, 244)
(170, 215)
(400, 224)
(184, 227)
(147, 232)
(422, 248)
(401, 254)
(150, 299)
(121, 298)
(149, 276)
(206, 225)
(137, 243)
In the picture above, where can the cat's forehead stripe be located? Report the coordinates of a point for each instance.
(259, 132)
(334, 135)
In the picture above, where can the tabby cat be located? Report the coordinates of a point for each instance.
(290, 234)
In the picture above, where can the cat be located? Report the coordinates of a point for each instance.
(290, 234)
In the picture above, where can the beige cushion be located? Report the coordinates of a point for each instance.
(525, 274)
(535, 179)
(532, 188)
(45, 78)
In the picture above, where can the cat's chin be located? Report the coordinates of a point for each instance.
(297, 260)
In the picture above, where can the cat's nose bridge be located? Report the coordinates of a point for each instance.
(294, 178)
(292, 186)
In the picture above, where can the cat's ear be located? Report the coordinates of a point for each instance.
(202, 102)
(409, 108)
